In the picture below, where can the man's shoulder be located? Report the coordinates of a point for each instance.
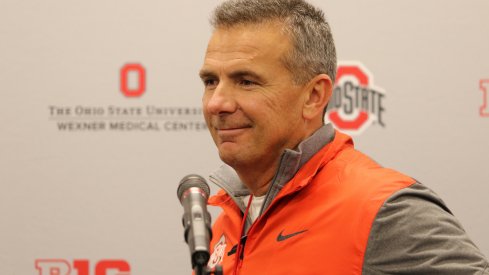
(357, 170)
(415, 227)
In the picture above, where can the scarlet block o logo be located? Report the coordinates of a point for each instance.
(139, 72)
(355, 103)
(82, 267)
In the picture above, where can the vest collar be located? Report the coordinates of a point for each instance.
(290, 162)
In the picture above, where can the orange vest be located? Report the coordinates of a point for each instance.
(319, 223)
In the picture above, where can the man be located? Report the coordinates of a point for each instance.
(297, 197)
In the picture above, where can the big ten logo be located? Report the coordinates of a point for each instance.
(356, 103)
(82, 267)
(484, 87)
(133, 80)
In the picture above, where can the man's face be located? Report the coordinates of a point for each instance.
(251, 105)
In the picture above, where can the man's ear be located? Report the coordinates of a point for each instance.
(318, 93)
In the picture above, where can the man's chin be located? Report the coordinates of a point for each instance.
(231, 157)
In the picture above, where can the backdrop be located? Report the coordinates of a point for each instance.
(101, 117)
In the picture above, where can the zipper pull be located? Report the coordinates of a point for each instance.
(243, 242)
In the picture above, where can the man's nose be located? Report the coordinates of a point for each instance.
(221, 100)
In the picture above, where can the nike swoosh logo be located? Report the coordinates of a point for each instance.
(281, 237)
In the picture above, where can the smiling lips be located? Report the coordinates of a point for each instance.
(231, 131)
(226, 130)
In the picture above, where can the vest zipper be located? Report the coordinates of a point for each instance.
(242, 240)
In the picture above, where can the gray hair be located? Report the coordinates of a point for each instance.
(313, 49)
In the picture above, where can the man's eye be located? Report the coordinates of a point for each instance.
(246, 82)
(210, 82)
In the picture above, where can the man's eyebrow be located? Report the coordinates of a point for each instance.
(206, 74)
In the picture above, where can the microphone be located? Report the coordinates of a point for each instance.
(193, 193)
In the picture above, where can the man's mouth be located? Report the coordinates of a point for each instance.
(232, 128)
(231, 131)
(226, 129)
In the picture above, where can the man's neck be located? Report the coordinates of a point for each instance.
(257, 180)
(259, 177)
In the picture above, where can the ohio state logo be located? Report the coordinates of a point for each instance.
(218, 254)
(484, 87)
(356, 103)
